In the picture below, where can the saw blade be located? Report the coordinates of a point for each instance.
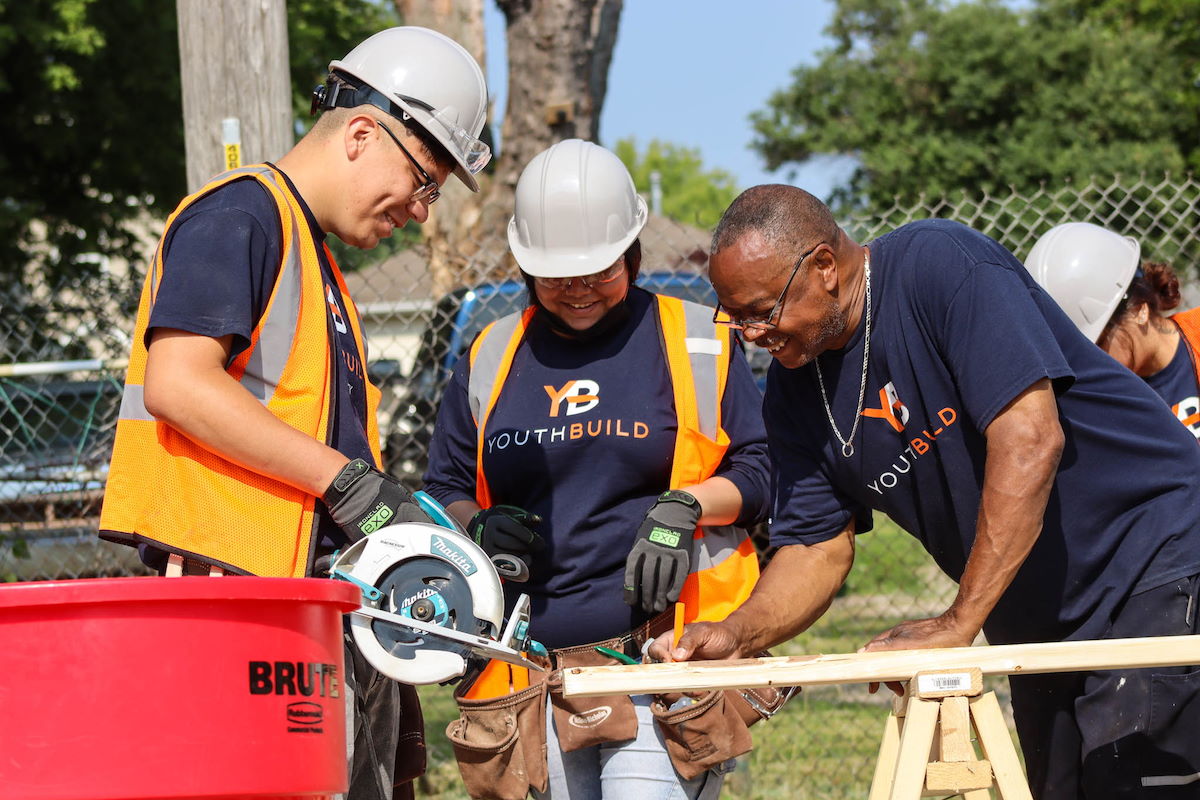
(428, 590)
(482, 646)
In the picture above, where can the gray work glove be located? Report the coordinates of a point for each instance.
(506, 529)
(361, 500)
(661, 557)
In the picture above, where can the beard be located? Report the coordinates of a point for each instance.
(830, 327)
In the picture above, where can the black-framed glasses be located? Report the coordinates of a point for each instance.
(766, 323)
(429, 191)
(606, 275)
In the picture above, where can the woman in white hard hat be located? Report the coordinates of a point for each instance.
(1094, 275)
(613, 439)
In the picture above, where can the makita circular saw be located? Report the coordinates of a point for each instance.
(432, 604)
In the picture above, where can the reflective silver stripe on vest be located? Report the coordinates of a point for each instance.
(267, 360)
(133, 403)
(264, 369)
(718, 543)
(703, 352)
(487, 362)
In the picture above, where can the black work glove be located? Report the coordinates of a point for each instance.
(506, 529)
(362, 500)
(658, 564)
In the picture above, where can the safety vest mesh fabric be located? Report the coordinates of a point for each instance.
(168, 491)
(1189, 326)
(724, 563)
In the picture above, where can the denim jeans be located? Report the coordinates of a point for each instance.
(638, 768)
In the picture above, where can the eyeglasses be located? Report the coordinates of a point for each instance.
(600, 278)
(767, 323)
(429, 191)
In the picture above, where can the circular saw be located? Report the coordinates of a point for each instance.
(432, 604)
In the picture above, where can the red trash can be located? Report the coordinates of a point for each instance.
(195, 687)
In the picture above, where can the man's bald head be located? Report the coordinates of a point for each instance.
(789, 220)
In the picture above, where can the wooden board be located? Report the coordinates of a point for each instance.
(895, 665)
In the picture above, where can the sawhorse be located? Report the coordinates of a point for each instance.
(927, 750)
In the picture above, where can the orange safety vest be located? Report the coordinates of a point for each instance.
(1189, 326)
(724, 563)
(166, 490)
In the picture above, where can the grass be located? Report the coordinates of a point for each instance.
(824, 743)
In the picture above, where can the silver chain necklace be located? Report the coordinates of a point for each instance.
(848, 443)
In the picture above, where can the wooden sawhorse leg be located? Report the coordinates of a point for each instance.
(175, 568)
(926, 750)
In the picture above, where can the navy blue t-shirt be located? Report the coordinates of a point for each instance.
(1176, 384)
(591, 468)
(959, 329)
(220, 261)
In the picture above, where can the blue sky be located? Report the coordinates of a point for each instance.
(691, 73)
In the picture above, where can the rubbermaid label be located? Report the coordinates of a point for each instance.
(305, 717)
(297, 679)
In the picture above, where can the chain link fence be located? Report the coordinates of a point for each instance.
(64, 342)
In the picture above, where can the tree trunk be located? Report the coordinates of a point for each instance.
(233, 65)
(450, 231)
(559, 53)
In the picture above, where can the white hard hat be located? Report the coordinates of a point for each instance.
(424, 75)
(575, 211)
(1086, 269)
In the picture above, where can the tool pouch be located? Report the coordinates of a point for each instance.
(714, 728)
(500, 743)
(586, 721)
(754, 705)
(701, 734)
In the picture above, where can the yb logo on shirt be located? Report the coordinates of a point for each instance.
(579, 395)
(1188, 412)
(890, 408)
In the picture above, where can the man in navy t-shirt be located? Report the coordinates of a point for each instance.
(246, 441)
(928, 377)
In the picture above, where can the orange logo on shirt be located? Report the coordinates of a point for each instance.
(890, 408)
(581, 396)
(334, 311)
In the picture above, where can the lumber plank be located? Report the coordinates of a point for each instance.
(954, 731)
(916, 743)
(893, 665)
(885, 764)
(997, 746)
(957, 777)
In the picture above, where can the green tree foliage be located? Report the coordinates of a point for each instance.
(93, 122)
(934, 97)
(322, 30)
(690, 193)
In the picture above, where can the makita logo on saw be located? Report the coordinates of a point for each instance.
(453, 555)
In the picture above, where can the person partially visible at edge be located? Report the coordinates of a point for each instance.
(928, 377)
(590, 463)
(1093, 273)
(247, 437)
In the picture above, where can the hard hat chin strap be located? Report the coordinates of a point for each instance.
(337, 92)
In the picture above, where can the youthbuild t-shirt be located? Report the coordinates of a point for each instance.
(1176, 384)
(959, 329)
(583, 435)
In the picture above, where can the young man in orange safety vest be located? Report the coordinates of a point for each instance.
(247, 438)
